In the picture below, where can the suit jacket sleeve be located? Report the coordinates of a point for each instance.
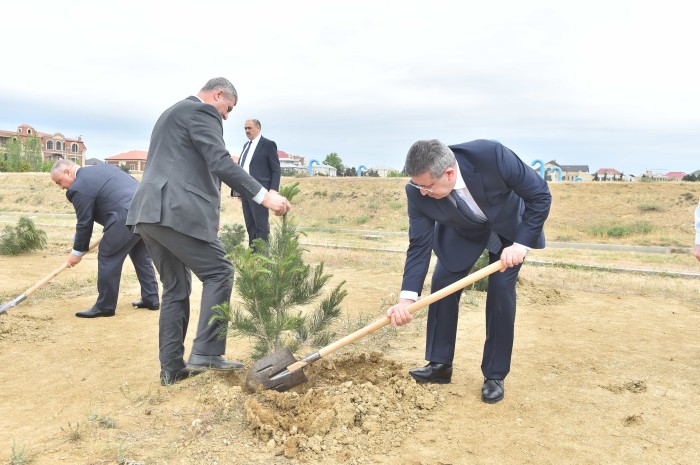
(530, 187)
(420, 235)
(85, 212)
(274, 163)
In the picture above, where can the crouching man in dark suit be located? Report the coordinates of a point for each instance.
(176, 210)
(102, 194)
(463, 199)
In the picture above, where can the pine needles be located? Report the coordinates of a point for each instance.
(273, 282)
(25, 237)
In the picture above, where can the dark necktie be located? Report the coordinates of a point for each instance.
(493, 244)
(245, 153)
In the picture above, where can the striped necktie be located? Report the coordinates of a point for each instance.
(493, 244)
(245, 153)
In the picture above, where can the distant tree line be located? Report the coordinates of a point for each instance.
(692, 177)
(334, 160)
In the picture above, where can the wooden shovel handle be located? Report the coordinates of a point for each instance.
(56, 271)
(424, 302)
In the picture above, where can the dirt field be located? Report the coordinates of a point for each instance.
(606, 366)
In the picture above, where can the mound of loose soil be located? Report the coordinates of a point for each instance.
(353, 400)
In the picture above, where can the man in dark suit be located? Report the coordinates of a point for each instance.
(259, 158)
(176, 210)
(463, 199)
(102, 194)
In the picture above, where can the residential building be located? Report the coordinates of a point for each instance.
(607, 174)
(53, 146)
(571, 172)
(135, 160)
(676, 175)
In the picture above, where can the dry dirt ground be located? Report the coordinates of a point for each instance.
(606, 366)
(596, 379)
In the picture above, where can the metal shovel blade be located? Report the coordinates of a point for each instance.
(271, 372)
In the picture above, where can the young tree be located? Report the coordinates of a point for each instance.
(24, 237)
(273, 282)
(332, 159)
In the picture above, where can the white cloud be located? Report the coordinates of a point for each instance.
(601, 83)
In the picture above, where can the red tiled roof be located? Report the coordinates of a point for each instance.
(676, 174)
(282, 154)
(131, 155)
(608, 171)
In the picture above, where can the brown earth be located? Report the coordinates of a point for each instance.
(605, 370)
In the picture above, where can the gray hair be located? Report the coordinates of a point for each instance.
(256, 123)
(429, 155)
(220, 83)
(60, 165)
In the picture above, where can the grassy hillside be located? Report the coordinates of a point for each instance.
(658, 214)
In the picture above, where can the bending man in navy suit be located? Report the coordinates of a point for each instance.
(259, 159)
(102, 194)
(463, 199)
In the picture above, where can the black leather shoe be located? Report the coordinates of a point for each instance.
(212, 362)
(168, 378)
(492, 391)
(142, 304)
(439, 373)
(94, 312)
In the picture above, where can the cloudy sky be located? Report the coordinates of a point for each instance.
(601, 83)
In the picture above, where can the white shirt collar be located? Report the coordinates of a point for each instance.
(459, 181)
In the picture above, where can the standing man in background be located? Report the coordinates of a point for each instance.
(696, 249)
(259, 158)
(102, 194)
(176, 210)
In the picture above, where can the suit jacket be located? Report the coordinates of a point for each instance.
(514, 198)
(265, 164)
(187, 161)
(102, 194)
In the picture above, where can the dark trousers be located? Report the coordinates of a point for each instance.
(174, 255)
(500, 320)
(109, 271)
(257, 220)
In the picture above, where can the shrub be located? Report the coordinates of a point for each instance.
(651, 207)
(618, 230)
(24, 237)
(231, 235)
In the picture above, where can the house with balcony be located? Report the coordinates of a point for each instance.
(53, 146)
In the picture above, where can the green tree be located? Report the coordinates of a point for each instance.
(33, 153)
(273, 282)
(23, 157)
(332, 159)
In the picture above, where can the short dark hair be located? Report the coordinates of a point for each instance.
(428, 155)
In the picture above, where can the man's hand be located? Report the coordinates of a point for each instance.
(513, 255)
(73, 260)
(275, 202)
(399, 313)
(696, 251)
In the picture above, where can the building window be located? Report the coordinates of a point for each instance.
(132, 167)
(29, 131)
(58, 145)
(49, 145)
(74, 148)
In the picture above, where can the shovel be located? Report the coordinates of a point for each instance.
(46, 279)
(281, 371)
